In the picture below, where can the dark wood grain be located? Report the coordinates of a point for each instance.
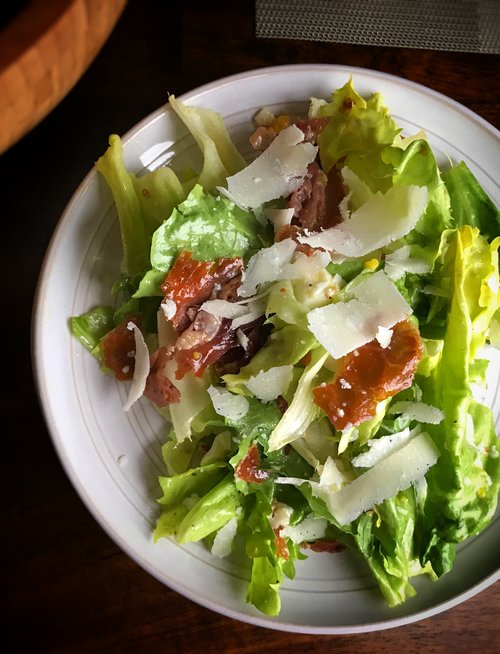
(66, 587)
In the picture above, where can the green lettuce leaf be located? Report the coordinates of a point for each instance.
(208, 227)
(257, 424)
(414, 163)
(463, 486)
(470, 205)
(221, 159)
(142, 204)
(196, 503)
(268, 569)
(357, 132)
(91, 326)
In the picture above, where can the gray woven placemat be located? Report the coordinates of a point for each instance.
(453, 25)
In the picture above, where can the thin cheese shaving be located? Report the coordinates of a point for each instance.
(376, 304)
(141, 369)
(279, 262)
(378, 222)
(309, 529)
(268, 385)
(401, 261)
(169, 308)
(279, 217)
(228, 404)
(384, 336)
(276, 173)
(266, 265)
(391, 475)
(418, 411)
(379, 448)
(224, 309)
(224, 538)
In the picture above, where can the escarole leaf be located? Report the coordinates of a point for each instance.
(470, 205)
(196, 503)
(142, 204)
(357, 132)
(91, 326)
(463, 485)
(414, 163)
(268, 567)
(208, 227)
(220, 156)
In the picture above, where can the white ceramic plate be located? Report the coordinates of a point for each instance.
(113, 458)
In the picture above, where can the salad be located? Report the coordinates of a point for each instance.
(315, 326)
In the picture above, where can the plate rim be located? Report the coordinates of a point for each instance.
(41, 290)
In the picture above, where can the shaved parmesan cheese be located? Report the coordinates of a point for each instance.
(279, 217)
(380, 448)
(243, 339)
(418, 411)
(331, 477)
(228, 404)
(268, 385)
(344, 326)
(266, 265)
(224, 309)
(308, 530)
(384, 336)
(378, 222)
(304, 266)
(344, 207)
(315, 105)
(254, 309)
(141, 369)
(280, 516)
(391, 475)
(246, 319)
(359, 191)
(224, 537)
(276, 173)
(280, 262)
(401, 261)
(169, 308)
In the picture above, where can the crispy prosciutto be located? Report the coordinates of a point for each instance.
(315, 204)
(189, 283)
(312, 127)
(248, 468)
(203, 338)
(238, 356)
(281, 546)
(209, 345)
(369, 375)
(323, 545)
(118, 349)
(308, 201)
(159, 389)
(264, 134)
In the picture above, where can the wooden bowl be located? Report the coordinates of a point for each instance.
(44, 50)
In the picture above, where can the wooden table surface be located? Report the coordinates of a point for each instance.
(66, 586)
